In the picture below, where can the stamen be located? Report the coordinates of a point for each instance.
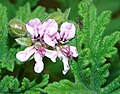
(40, 47)
(42, 51)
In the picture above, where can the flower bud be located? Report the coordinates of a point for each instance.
(60, 17)
(17, 28)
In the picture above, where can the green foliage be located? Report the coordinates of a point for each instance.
(112, 88)
(90, 68)
(3, 31)
(113, 6)
(74, 7)
(24, 14)
(60, 17)
(13, 6)
(67, 87)
(26, 87)
(100, 47)
(12, 84)
(107, 5)
(8, 58)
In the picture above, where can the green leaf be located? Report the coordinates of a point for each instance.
(7, 56)
(32, 87)
(64, 4)
(22, 2)
(8, 83)
(67, 87)
(12, 6)
(112, 88)
(83, 72)
(90, 68)
(3, 32)
(24, 14)
(107, 5)
(10, 59)
(24, 41)
(107, 46)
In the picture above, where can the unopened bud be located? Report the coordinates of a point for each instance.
(17, 28)
(60, 17)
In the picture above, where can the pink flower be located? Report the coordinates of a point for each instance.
(38, 49)
(59, 40)
(37, 29)
(38, 52)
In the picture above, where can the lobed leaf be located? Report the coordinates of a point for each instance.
(25, 13)
(112, 88)
(67, 87)
(95, 73)
(8, 83)
(3, 32)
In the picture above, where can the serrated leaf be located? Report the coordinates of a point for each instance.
(32, 87)
(3, 32)
(67, 87)
(95, 73)
(8, 83)
(112, 88)
(24, 14)
(10, 60)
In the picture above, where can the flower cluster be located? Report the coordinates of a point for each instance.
(48, 35)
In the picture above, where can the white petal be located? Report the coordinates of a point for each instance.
(66, 65)
(51, 40)
(25, 55)
(74, 50)
(35, 22)
(30, 29)
(50, 23)
(39, 66)
(65, 62)
(67, 30)
(51, 30)
(51, 54)
(50, 26)
(38, 57)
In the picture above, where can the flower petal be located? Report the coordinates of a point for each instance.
(50, 26)
(51, 40)
(67, 30)
(51, 54)
(65, 62)
(34, 26)
(25, 55)
(35, 22)
(30, 29)
(66, 65)
(51, 23)
(39, 66)
(74, 51)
